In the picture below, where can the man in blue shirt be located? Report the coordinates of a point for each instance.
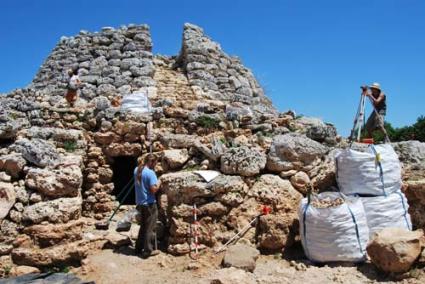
(146, 185)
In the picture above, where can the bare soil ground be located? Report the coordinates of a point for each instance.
(121, 266)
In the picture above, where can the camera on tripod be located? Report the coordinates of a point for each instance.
(364, 88)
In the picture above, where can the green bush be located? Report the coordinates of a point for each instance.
(415, 131)
(70, 146)
(207, 121)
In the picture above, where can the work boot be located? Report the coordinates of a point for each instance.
(146, 254)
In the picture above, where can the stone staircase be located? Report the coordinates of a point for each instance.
(172, 84)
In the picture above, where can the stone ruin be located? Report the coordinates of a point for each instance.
(62, 168)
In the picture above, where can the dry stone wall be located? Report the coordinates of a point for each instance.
(110, 62)
(215, 75)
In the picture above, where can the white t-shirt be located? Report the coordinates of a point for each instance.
(74, 82)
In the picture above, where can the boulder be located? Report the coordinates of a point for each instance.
(213, 209)
(293, 150)
(60, 210)
(415, 194)
(8, 229)
(277, 192)
(5, 249)
(178, 141)
(12, 164)
(323, 175)
(106, 138)
(123, 149)
(175, 159)
(229, 190)
(58, 135)
(395, 249)
(7, 199)
(38, 152)
(115, 240)
(212, 154)
(5, 177)
(243, 161)
(67, 254)
(239, 217)
(122, 128)
(316, 129)
(184, 187)
(276, 232)
(10, 127)
(241, 256)
(54, 234)
(64, 182)
(22, 270)
(412, 151)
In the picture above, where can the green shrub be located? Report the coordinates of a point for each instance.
(207, 121)
(415, 131)
(70, 146)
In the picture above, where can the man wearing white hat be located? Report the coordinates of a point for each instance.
(376, 118)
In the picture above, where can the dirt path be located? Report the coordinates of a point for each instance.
(122, 267)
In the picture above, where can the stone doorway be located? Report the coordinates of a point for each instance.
(123, 168)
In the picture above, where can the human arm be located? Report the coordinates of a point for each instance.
(153, 184)
(154, 188)
(378, 100)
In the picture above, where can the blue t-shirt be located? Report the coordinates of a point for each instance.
(143, 195)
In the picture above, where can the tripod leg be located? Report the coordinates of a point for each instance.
(357, 119)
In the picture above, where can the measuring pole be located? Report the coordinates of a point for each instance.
(149, 134)
(194, 231)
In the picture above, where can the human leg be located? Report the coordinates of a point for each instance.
(370, 124)
(142, 234)
(150, 228)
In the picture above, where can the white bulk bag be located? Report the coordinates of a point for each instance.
(334, 234)
(387, 211)
(136, 102)
(375, 172)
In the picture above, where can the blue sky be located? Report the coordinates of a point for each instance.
(310, 56)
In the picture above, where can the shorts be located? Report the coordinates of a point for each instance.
(71, 96)
(374, 122)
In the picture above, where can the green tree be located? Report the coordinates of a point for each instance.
(415, 131)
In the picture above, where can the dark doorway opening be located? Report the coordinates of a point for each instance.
(123, 168)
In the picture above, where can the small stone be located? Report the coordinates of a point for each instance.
(5, 177)
(301, 182)
(35, 197)
(241, 256)
(286, 174)
(174, 159)
(193, 266)
(5, 249)
(7, 198)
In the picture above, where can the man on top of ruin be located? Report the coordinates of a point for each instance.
(74, 84)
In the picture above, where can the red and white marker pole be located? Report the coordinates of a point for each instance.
(195, 222)
(195, 234)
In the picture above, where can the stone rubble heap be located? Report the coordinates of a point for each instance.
(209, 112)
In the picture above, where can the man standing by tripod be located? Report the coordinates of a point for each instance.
(379, 102)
